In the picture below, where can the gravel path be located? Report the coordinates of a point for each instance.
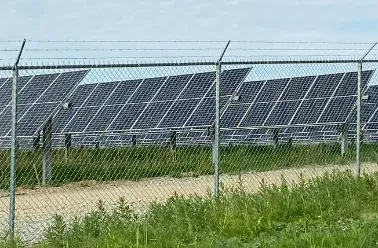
(34, 208)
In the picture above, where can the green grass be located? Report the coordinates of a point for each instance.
(133, 163)
(336, 210)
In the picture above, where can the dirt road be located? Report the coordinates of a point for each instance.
(35, 208)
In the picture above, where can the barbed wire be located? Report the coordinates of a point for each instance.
(120, 49)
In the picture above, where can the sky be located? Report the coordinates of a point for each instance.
(199, 20)
(310, 20)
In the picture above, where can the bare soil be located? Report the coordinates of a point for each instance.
(36, 207)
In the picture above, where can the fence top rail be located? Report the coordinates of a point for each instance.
(166, 64)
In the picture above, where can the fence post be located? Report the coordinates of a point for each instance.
(13, 158)
(357, 169)
(217, 121)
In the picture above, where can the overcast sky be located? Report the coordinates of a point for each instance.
(190, 19)
(271, 20)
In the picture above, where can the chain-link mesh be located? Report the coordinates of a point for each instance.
(5, 123)
(293, 122)
(145, 134)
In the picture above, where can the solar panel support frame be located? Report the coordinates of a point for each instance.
(344, 138)
(47, 152)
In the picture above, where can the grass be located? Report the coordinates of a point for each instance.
(337, 210)
(133, 163)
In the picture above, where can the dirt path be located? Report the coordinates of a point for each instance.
(34, 208)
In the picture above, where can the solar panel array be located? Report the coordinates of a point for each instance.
(306, 108)
(151, 103)
(38, 97)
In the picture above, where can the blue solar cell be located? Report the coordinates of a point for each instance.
(309, 111)
(204, 115)
(325, 85)
(100, 94)
(127, 116)
(103, 118)
(179, 113)
(297, 88)
(338, 109)
(272, 90)
(81, 93)
(282, 113)
(6, 89)
(62, 118)
(36, 87)
(147, 89)
(62, 86)
(5, 123)
(257, 114)
(34, 118)
(230, 80)
(249, 90)
(367, 110)
(123, 92)
(348, 86)
(152, 115)
(233, 115)
(198, 85)
(79, 122)
(172, 87)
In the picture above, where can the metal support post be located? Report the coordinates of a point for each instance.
(217, 122)
(275, 138)
(14, 146)
(216, 132)
(67, 144)
(173, 139)
(344, 139)
(47, 152)
(357, 169)
(133, 140)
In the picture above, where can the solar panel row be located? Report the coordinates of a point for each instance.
(164, 102)
(38, 97)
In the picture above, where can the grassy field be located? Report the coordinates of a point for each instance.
(133, 163)
(336, 210)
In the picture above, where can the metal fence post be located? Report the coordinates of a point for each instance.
(357, 169)
(358, 139)
(216, 142)
(13, 159)
(216, 131)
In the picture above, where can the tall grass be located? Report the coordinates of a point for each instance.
(133, 163)
(336, 210)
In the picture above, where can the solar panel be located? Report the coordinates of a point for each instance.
(198, 86)
(100, 94)
(282, 113)
(272, 90)
(179, 112)
(249, 90)
(162, 98)
(147, 89)
(297, 88)
(257, 114)
(103, 118)
(38, 97)
(325, 85)
(309, 111)
(127, 116)
(123, 92)
(152, 115)
(172, 87)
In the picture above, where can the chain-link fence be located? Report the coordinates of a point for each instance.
(145, 133)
